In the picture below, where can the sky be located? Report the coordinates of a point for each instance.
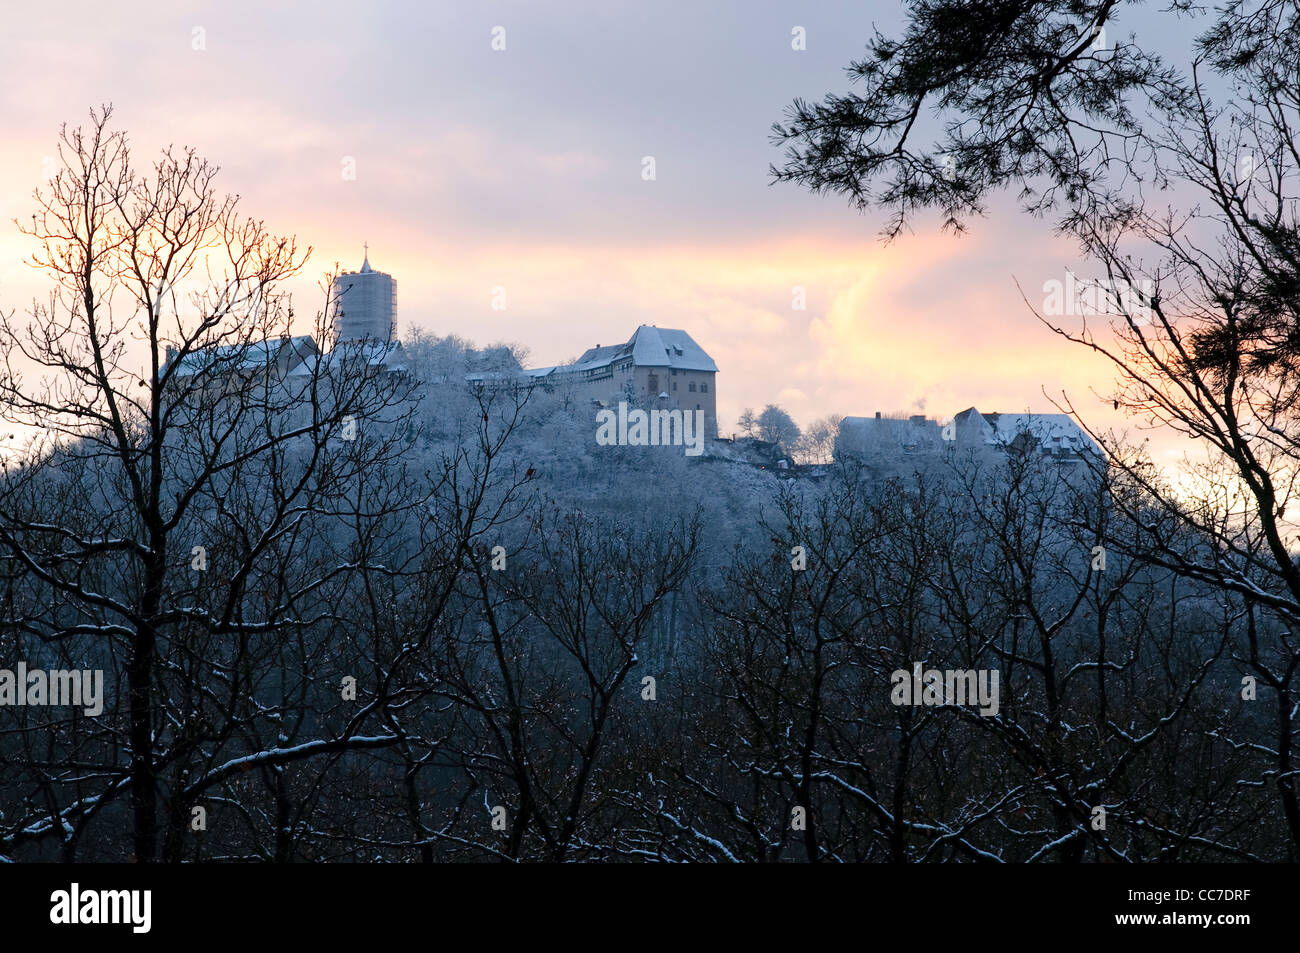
(522, 168)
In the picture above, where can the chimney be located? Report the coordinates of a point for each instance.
(877, 415)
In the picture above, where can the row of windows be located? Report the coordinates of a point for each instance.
(704, 388)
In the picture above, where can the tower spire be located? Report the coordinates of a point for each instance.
(365, 265)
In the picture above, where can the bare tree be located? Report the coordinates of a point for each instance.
(154, 527)
(1202, 289)
(747, 422)
(818, 443)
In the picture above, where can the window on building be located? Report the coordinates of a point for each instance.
(692, 387)
(674, 385)
(704, 388)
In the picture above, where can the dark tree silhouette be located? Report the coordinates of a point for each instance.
(1181, 183)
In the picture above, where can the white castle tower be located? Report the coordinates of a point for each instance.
(365, 305)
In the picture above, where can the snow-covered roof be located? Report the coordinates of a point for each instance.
(916, 420)
(915, 433)
(598, 356)
(668, 347)
(1053, 432)
(648, 346)
(372, 354)
(246, 357)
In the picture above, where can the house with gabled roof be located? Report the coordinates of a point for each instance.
(888, 436)
(896, 437)
(655, 368)
(274, 355)
(1052, 435)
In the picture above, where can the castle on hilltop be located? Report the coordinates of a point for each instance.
(656, 368)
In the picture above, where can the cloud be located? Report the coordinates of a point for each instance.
(521, 169)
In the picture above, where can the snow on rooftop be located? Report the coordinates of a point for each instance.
(1052, 431)
(243, 357)
(373, 354)
(669, 347)
(648, 346)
